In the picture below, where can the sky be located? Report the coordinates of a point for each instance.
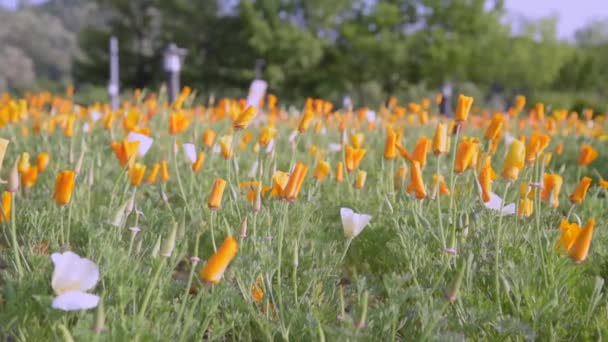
(572, 14)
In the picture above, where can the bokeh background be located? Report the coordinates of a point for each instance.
(554, 50)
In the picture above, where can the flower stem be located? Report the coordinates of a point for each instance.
(144, 305)
(497, 250)
(348, 242)
(14, 240)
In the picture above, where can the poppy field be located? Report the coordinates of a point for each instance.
(211, 219)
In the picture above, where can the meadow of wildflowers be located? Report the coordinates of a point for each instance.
(205, 220)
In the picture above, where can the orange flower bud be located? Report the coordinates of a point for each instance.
(525, 208)
(322, 170)
(305, 121)
(339, 172)
(552, 185)
(164, 172)
(7, 201)
(536, 145)
(357, 139)
(64, 187)
(125, 151)
(416, 183)
(439, 184)
(69, 127)
(441, 143)
(214, 269)
(520, 102)
(467, 154)
(463, 108)
(226, 146)
(399, 178)
(587, 155)
(136, 173)
(390, 150)
(579, 250)
(208, 137)
(421, 149)
(360, 181)
(29, 177)
(495, 127)
(580, 192)
(217, 192)
(279, 180)
(353, 157)
(559, 149)
(291, 190)
(514, 162)
(3, 145)
(485, 180)
(243, 120)
(198, 164)
(42, 161)
(268, 133)
(24, 162)
(153, 175)
(178, 123)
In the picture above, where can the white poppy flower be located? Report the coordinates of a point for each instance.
(495, 202)
(334, 147)
(190, 152)
(73, 276)
(370, 115)
(86, 127)
(215, 149)
(352, 222)
(292, 136)
(254, 170)
(270, 146)
(508, 139)
(95, 115)
(145, 142)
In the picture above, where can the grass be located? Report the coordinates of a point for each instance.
(391, 284)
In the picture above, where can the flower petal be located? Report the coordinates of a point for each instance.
(71, 301)
(190, 152)
(145, 142)
(73, 273)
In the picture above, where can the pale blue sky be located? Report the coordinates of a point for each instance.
(573, 14)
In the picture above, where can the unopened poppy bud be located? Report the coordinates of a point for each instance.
(156, 248)
(454, 287)
(100, 318)
(78, 166)
(169, 242)
(257, 204)
(243, 232)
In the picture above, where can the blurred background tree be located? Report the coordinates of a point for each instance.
(369, 49)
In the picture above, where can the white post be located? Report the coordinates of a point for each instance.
(114, 84)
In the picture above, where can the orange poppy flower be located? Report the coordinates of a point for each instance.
(64, 187)
(214, 269)
(7, 200)
(243, 120)
(360, 181)
(217, 192)
(514, 162)
(136, 173)
(441, 143)
(353, 157)
(416, 183)
(463, 107)
(587, 155)
(552, 185)
(580, 192)
(42, 161)
(322, 170)
(153, 175)
(466, 155)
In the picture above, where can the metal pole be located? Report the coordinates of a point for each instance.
(114, 86)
